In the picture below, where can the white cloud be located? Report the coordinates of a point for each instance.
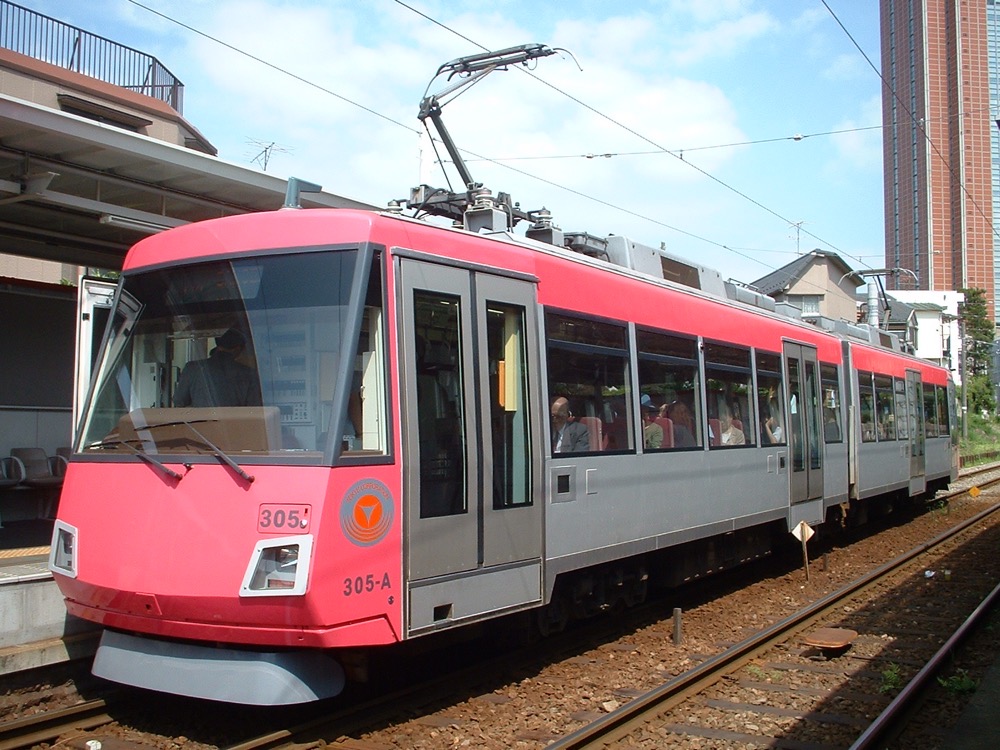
(860, 147)
(847, 67)
(681, 74)
(723, 39)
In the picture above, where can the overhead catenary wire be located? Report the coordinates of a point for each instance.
(657, 146)
(581, 194)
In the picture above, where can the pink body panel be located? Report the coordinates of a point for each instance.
(887, 362)
(166, 557)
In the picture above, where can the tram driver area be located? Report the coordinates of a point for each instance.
(241, 358)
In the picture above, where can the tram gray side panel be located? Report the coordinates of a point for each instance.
(465, 597)
(615, 501)
(883, 467)
(938, 455)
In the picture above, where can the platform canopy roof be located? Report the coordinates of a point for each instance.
(78, 191)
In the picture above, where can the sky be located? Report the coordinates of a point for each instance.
(736, 133)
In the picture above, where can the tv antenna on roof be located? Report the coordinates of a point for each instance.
(266, 149)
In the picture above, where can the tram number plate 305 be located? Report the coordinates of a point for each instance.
(283, 519)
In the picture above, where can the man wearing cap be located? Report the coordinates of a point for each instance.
(220, 380)
(652, 433)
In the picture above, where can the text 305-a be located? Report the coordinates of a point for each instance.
(366, 584)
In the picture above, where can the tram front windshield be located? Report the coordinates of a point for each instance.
(270, 355)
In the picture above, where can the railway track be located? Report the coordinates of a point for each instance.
(775, 691)
(51, 725)
(761, 674)
(737, 656)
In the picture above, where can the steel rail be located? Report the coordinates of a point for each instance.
(45, 727)
(621, 721)
(889, 719)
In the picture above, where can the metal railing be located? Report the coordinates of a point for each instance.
(46, 39)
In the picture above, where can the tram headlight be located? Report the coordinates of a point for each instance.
(278, 567)
(63, 551)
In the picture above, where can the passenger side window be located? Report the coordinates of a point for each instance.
(944, 427)
(669, 382)
(885, 408)
(588, 388)
(728, 387)
(866, 399)
(930, 411)
(832, 430)
(770, 400)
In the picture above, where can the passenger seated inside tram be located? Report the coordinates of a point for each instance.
(730, 434)
(772, 429)
(831, 430)
(652, 433)
(680, 415)
(567, 436)
(770, 426)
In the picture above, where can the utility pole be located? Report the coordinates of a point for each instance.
(963, 370)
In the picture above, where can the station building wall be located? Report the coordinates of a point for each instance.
(36, 367)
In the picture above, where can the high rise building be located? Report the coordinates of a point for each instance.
(941, 143)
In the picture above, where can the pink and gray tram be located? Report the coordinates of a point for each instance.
(390, 473)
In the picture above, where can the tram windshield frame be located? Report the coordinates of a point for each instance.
(297, 336)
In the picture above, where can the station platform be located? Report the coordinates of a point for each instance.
(35, 629)
(979, 725)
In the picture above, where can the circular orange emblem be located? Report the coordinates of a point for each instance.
(366, 512)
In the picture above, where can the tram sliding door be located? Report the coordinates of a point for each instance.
(805, 423)
(473, 512)
(915, 425)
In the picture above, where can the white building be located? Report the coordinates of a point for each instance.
(938, 336)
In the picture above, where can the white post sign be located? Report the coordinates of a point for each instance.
(803, 532)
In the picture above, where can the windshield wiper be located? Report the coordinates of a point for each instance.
(144, 456)
(216, 450)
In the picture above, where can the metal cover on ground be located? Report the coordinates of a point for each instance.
(830, 638)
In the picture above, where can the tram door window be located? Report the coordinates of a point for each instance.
(811, 402)
(508, 402)
(804, 422)
(915, 424)
(770, 400)
(588, 366)
(728, 389)
(440, 404)
(668, 376)
(832, 420)
(903, 416)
